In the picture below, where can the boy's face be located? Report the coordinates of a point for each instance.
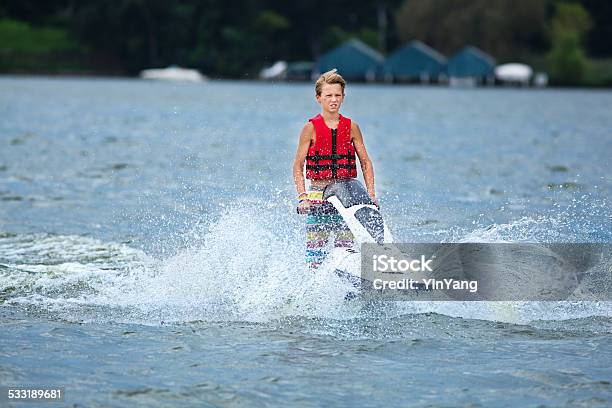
(331, 97)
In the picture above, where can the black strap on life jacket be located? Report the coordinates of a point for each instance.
(317, 167)
(348, 156)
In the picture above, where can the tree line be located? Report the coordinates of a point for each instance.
(570, 39)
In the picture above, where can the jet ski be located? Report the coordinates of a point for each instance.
(362, 216)
(353, 203)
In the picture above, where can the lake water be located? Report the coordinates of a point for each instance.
(150, 254)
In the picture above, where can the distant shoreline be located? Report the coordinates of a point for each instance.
(91, 75)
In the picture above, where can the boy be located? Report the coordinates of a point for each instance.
(328, 143)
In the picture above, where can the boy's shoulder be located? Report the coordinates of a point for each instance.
(308, 127)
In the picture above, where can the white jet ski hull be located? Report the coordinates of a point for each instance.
(363, 218)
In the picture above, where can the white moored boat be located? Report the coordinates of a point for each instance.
(172, 73)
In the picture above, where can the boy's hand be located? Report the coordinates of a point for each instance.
(375, 201)
(303, 207)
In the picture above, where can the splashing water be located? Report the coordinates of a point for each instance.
(245, 265)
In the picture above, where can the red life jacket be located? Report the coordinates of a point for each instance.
(332, 156)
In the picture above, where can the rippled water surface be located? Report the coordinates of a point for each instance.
(150, 254)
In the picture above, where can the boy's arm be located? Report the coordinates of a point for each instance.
(300, 157)
(366, 164)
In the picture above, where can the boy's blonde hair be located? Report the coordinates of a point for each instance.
(329, 77)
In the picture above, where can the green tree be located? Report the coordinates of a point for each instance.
(508, 29)
(567, 60)
(23, 47)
